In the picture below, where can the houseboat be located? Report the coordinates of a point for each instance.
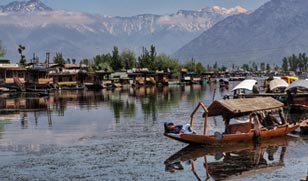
(12, 76)
(67, 76)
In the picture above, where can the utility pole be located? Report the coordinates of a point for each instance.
(47, 59)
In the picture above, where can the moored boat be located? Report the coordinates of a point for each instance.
(297, 93)
(249, 131)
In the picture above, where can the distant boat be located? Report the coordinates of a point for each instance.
(71, 85)
(223, 83)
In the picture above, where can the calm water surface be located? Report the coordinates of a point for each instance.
(117, 135)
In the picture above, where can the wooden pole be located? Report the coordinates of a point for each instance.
(205, 116)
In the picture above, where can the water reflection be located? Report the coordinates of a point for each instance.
(66, 116)
(122, 102)
(230, 162)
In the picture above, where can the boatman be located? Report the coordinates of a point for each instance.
(256, 88)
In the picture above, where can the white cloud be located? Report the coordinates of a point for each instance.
(45, 18)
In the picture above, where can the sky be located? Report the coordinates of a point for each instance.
(136, 7)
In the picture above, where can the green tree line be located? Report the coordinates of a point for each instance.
(295, 63)
(127, 59)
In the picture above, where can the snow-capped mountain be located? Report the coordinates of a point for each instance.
(275, 30)
(25, 6)
(82, 35)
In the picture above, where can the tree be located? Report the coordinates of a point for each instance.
(199, 68)
(268, 67)
(223, 68)
(166, 63)
(129, 59)
(245, 67)
(254, 67)
(262, 66)
(215, 66)
(22, 57)
(293, 62)
(2, 50)
(152, 57)
(58, 59)
(144, 59)
(285, 65)
(303, 61)
(116, 63)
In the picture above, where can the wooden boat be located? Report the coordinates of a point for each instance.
(277, 85)
(232, 161)
(69, 85)
(304, 128)
(243, 88)
(223, 83)
(267, 81)
(297, 93)
(237, 132)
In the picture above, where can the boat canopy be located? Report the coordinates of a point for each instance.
(289, 79)
(232, 108)
(277, 84)
(301, 84)
(245, 84)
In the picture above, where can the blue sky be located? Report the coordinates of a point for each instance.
(135, 7)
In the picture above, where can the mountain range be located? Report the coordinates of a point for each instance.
(81, 35)
(277, 29)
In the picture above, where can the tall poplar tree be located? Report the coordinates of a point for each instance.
(2, 50)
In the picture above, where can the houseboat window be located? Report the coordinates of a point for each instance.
(20, 74)
(9, 74)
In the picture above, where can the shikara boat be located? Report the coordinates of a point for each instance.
(223, 83)
(232, 161)
(238, 132)
(297, 93)
(278, 85)
(244, 88)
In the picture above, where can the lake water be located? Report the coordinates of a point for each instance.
(118, 135)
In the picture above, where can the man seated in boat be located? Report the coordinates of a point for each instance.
(178, 129)
(270, 121)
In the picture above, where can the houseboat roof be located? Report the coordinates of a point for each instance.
(239, 107)
(68, 66)
(4, 60)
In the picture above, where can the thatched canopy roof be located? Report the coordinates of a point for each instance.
(238, 107)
